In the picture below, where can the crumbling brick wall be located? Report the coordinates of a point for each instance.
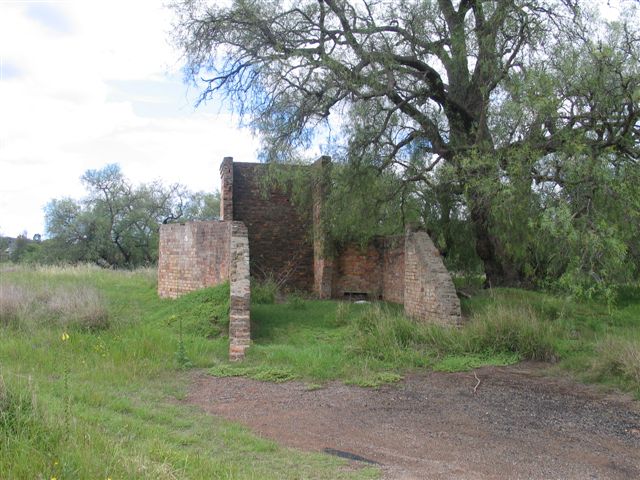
(393, 269)
(196, 255)
(429, 293)
(240, 286)
(293, 247)
(192, 255)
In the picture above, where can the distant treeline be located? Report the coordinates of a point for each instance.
(115, 225)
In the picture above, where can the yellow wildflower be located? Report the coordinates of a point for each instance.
(65, 336)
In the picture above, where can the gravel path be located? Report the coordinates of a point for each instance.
(518, 424)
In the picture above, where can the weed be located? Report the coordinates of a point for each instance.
(375, 379)
(181, 354)
(295, 301)
(259, 372)
(618, 359)
(33, 306)
(264, 292)
(343, 312)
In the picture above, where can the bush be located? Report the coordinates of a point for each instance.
(618, 358)
(511, 328)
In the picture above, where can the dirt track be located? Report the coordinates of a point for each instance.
(518, 424)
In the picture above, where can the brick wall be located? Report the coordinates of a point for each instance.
(226, 189)
(280, 239)
(393, 270)
(239, 312)
(192, 256)
(358, 270)
(429, 293)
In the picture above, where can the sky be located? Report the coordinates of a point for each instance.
(85, 83)
(88, 83)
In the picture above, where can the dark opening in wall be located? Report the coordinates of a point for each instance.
(355, 296)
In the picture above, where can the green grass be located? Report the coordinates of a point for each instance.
(106, 403)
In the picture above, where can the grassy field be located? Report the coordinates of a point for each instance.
(93, 367)
(105, 403)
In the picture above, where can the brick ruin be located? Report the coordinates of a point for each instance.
(261, 233)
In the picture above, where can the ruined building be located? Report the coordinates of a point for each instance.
(263, 234)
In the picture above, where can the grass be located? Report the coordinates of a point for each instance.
(106, 403)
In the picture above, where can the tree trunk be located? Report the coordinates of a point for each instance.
(499, 270)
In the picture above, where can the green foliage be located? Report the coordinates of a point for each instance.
(296, 302)
(117, 223)
(263, 373)
(264, 291)
(462, 363)
(515, 146)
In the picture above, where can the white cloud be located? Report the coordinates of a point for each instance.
(95, 82)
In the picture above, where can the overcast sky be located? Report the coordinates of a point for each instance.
(86, 83)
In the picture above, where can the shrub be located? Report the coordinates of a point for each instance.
(516, 331)
(512, 328)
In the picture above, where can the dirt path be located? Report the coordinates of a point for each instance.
(518, 424)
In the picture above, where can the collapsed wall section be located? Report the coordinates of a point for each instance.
(192, 255)
(429, 293)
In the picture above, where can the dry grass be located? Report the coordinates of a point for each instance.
(68, 305)
(618, 357)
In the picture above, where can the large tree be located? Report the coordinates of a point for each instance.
(466, 99)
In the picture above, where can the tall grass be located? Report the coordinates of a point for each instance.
(617, 359)
(386, 334)
(36, 306)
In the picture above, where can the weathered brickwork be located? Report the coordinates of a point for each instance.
(323, 266)
(358, 271)
(280, 239)
(239, 312)
(265, 235)
(196, 255)
(192, 256)
(393, 270)
(226, 189)
(429, 293)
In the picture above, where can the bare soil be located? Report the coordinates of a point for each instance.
(519, 423)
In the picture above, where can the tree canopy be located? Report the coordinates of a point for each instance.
(117, 223)
(520, 118)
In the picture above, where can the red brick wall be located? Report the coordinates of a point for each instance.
(393, 270)
(358, 270)
(192, 256)
(429, 293)
(280, 240)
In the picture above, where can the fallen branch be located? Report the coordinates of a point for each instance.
(477, 384)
